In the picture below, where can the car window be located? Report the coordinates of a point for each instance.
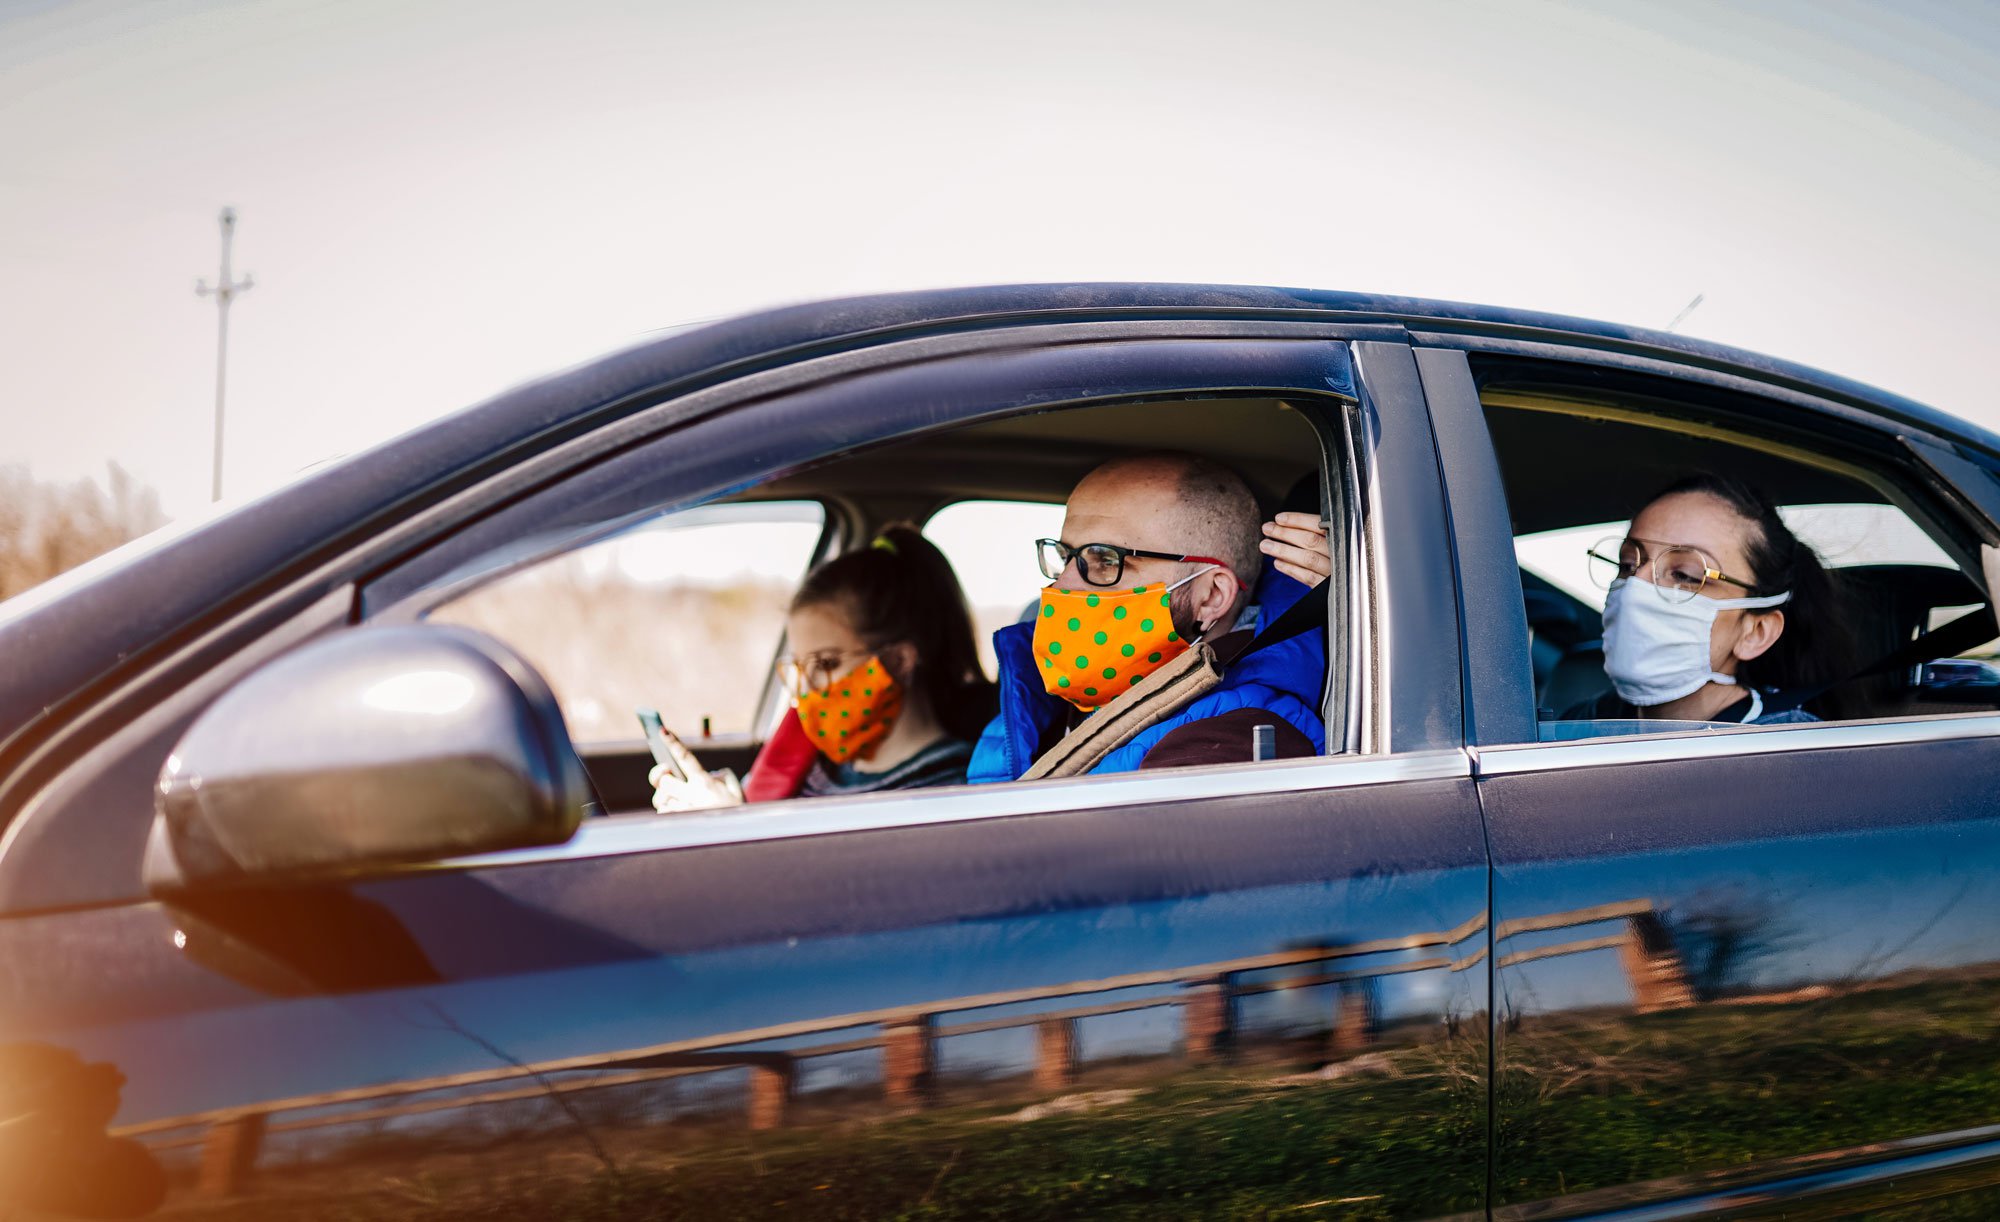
(682, 613)
(685, 611)
(991, 546)
(1895, 579)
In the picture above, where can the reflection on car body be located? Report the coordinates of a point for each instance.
(410, 951)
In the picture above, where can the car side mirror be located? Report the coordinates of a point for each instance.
(371, 748)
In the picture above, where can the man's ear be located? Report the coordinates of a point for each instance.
(1762, 632)
(1218, 603)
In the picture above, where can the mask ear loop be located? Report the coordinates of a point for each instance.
(1206, 568)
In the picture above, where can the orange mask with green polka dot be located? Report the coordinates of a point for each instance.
(849, 719)
(1093, 645)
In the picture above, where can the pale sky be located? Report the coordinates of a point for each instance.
(441, 199)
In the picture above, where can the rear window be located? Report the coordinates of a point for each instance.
(991, 546)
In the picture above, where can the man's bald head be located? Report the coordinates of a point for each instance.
(1173, 502)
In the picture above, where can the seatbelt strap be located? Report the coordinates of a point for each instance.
(1972, 628)
(1308, 613)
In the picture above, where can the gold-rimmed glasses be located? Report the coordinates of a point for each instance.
(1678, 571)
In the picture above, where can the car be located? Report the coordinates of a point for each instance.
(330, 884)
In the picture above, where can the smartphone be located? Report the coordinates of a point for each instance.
(656, 740)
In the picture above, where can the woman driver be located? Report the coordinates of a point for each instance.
(1715, 611)
(884, 672)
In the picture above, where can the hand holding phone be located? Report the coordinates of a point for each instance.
(679, 781)
(662, 743)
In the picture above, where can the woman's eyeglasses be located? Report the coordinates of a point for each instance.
(1677, 570)
(1100, 564)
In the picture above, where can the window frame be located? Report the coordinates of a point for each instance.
(1352, 430)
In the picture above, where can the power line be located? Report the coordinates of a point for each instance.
(224, 292)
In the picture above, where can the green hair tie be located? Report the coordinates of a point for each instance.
(885, 543)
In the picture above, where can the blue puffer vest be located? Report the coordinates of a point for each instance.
(1284, 678)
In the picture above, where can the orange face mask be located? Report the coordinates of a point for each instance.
(851, 717)
(1094, 645)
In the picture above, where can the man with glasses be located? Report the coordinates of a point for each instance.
(1157, 558)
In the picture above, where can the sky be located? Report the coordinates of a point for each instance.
(439, 199)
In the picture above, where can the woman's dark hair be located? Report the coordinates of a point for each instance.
(1817, 648)
(901, 588)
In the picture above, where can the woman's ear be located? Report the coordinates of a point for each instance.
(901, 659)
(1760, 632)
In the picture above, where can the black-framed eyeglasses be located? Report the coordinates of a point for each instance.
(1101, 564)
(1678, 571)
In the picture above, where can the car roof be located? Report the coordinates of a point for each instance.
(861, 317)
(123, 614)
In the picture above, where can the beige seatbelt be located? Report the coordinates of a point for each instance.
(1158, 696)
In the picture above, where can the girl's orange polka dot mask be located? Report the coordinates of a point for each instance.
(851, 717)
(1095, 644)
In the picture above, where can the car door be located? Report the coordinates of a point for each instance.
(1731, 969)
(1236, 989)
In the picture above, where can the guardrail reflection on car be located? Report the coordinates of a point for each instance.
(1207, 997)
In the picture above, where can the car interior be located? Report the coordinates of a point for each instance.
(1026, 458)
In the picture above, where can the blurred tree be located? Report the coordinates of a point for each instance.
(1724, 934)
(47, 528)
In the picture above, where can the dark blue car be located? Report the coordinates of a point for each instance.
(330, 885)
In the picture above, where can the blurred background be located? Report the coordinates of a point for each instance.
(439, 199)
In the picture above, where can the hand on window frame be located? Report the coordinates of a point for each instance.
(1297, 546)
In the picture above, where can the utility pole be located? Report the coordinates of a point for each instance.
(224, 292)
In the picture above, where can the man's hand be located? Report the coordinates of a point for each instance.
(1297, 547)
(691, 788)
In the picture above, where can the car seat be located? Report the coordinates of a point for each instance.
(1565, 646)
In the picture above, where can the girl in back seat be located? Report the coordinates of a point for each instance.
(884, 673)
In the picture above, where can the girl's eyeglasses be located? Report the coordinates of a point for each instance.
(815, 672)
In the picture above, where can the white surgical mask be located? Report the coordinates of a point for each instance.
(1655, 650)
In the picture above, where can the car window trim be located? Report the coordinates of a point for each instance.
(796, 818)
(1733, 741)
(1497, 666)
(664, 415)
(1413, 625)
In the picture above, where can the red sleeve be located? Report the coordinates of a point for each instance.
(1225, 739)
(781, 766)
